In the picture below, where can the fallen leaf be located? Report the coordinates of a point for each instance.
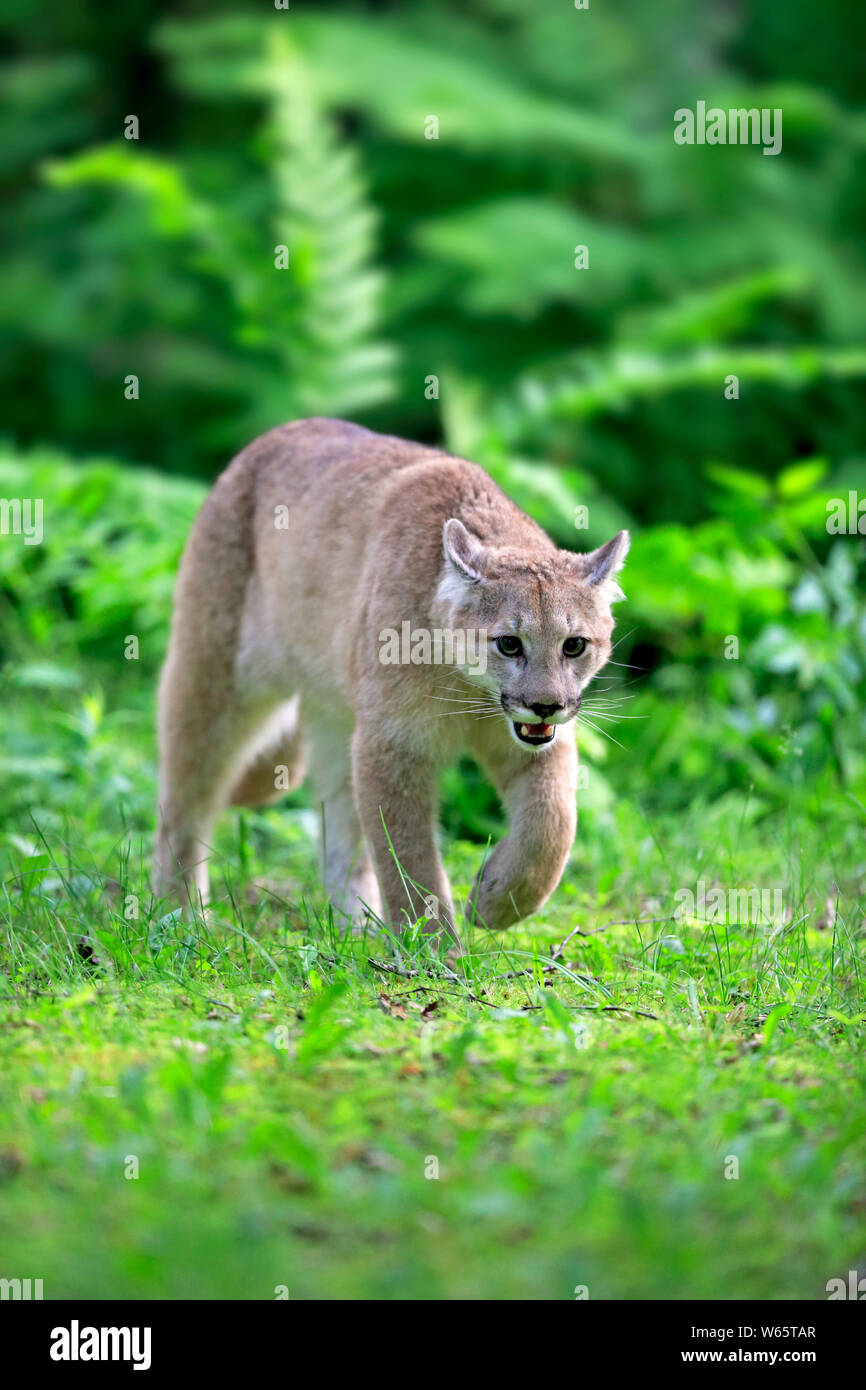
(388, 1006)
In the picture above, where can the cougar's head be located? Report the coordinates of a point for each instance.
(544, 621)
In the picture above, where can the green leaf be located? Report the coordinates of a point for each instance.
(739, 481)
(774, 1018)
(800, 477)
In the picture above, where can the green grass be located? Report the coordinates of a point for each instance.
(283, 1095)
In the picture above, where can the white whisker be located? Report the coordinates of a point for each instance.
(603, 732)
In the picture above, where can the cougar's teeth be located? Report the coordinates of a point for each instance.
(534, 732)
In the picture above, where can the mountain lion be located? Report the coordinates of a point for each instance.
(319, 551)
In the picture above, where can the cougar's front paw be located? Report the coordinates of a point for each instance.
(490, 904)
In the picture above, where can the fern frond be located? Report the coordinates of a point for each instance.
(309, 329)
(594, 384)
(326, 306)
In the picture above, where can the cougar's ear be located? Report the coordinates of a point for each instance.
(463, 551)
(606, 562)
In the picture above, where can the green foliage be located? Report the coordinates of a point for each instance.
(767, 644)
(156, 256)
(306, 325)
(106, 566)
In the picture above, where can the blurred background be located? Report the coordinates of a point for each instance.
(432, 292)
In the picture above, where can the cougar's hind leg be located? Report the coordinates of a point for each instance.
(275, 762)
(204, 728)
(350, 878)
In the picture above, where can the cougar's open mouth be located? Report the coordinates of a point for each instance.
(534, 735)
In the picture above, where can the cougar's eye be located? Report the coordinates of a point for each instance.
(509, 646)
(574, 646)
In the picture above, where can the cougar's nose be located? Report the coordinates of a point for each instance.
(543, 711)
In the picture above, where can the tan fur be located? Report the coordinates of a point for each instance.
(274, 662)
